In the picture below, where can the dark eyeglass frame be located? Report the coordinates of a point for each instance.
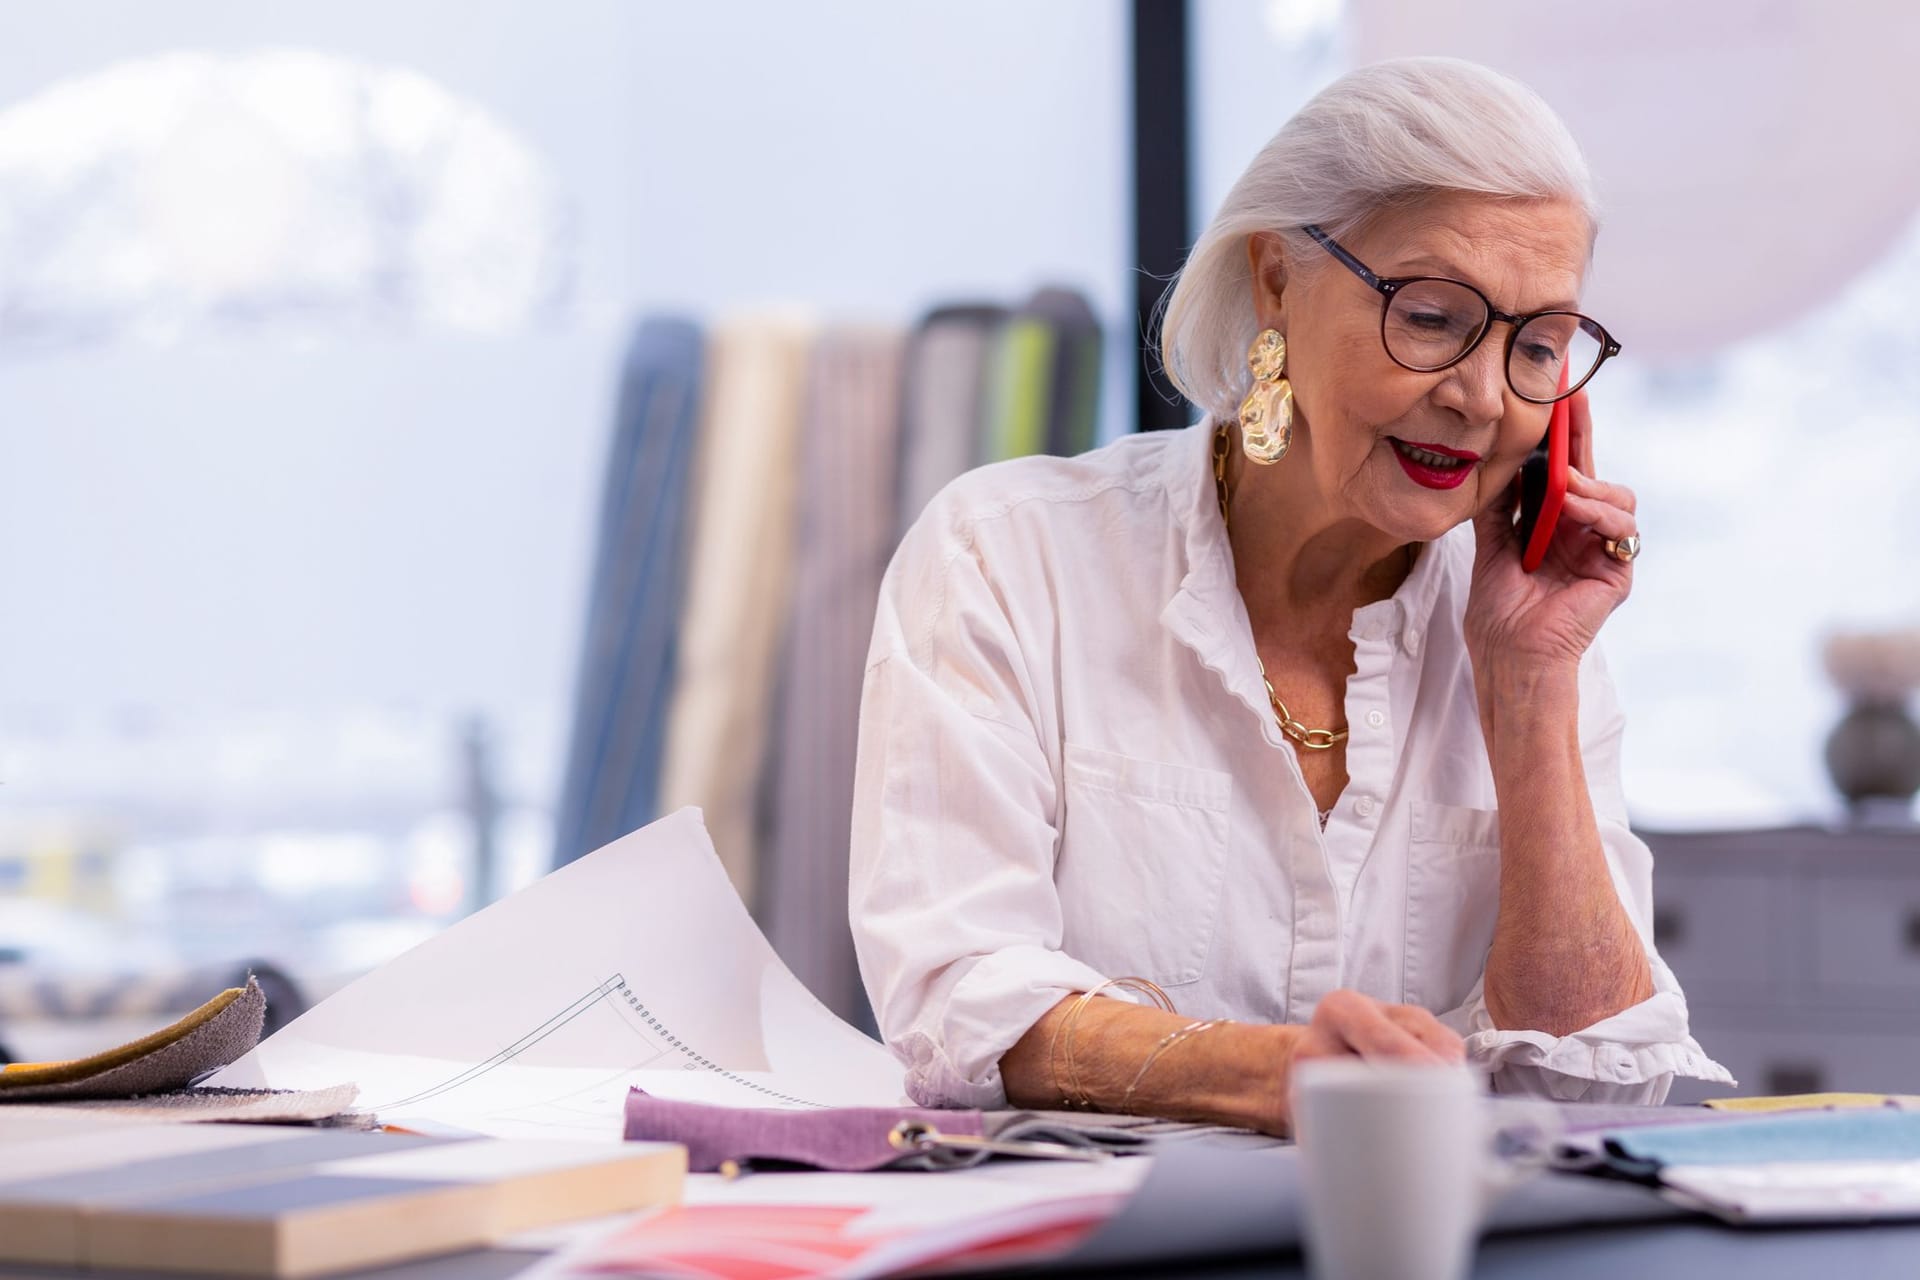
(1388, 286)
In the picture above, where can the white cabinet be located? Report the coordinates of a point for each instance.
(1800, 954)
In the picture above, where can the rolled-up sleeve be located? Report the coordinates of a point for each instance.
(952, 902)
(1634, 1055)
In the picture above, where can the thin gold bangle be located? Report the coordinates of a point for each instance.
(1060, 1080)
(1140, 986)
(1072, 1094)
(1167, 1042)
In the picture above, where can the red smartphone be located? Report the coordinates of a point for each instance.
(1543, 485)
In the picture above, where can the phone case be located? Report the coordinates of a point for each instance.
(1543, 487)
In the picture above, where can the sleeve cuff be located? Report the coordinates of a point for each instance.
(956, 1061)
(1637, 1051)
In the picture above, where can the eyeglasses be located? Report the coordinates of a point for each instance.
(1430, 323)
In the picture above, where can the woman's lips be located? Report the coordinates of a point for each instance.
(1430, 474)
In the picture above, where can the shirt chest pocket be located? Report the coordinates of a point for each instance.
(1143, 852)
(1453, 898)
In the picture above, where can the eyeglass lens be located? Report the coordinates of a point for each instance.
(1431, 323)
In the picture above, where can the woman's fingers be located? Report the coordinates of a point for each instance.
(1586, 486)
(1607, 509)
(1605, 520)
(1427, 1029)
(1347, 1022)
(1363, 1025)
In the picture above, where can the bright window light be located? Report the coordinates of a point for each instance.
(188, 193)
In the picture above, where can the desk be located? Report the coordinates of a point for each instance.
(1592, 1253)
(1562, 1226)
(1690, 1250)
(1233, 1213)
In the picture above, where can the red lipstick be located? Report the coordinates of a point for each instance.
(1429, 473)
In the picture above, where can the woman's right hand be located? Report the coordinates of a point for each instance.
(1347, 1024)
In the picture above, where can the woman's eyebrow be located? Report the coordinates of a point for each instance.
(1430, 263)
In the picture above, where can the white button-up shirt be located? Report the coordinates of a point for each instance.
(1069, 771)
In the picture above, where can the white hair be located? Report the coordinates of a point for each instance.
(1380, 137)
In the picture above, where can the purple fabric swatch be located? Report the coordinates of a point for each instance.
(842, 1139)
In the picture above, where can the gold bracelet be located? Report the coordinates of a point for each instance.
(1072, 1094)
(1167, 1042)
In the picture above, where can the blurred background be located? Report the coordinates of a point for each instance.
(363, 368)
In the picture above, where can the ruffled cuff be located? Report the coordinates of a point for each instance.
(1631, 1057)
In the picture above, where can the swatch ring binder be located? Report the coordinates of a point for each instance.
(919, 1137)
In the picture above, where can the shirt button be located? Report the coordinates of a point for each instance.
(1364, 806)
(1411, 639)
(1376, 718)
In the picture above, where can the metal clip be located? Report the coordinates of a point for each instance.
(919, 1137)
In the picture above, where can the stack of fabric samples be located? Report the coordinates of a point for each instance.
(761, 472)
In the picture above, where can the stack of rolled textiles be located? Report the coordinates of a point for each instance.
(760, 474)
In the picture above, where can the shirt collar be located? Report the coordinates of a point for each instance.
(1206, 611)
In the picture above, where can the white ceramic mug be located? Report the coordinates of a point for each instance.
(1398, 1165)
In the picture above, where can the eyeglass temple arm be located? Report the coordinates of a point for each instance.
(1610, 347)
(1346, 259)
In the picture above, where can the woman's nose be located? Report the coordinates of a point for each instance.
(1477, 386)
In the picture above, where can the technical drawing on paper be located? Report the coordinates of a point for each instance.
(657, 1048)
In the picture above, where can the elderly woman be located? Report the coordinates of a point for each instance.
(1264, 721)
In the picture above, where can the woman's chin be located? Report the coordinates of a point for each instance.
(1429, 532)
(1426, 514)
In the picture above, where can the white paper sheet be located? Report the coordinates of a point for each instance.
(635, 965)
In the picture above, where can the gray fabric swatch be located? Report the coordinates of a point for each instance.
(224, 1038)
(330, 1106)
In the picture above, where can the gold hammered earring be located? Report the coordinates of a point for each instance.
(1266, 415)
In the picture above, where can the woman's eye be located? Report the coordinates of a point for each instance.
(1540, 354)
(1432, 321)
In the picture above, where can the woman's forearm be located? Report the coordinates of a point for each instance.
(1233, 1073)
(1565, 954)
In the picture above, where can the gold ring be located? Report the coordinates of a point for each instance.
(1623, 550)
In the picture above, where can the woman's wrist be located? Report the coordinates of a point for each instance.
(1519, 696)
(1268, 1105)
(1235, 1073)
(1515, 678)
(1125, 1057)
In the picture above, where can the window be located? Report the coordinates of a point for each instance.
(276, 330)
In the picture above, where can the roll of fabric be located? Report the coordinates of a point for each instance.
(946, 370)
(1073, 391)
(625, 681)
(845, 535)
(739, 566)
(1018, 390)
(1043, 379)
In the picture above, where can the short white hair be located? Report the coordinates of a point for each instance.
(1380, 137)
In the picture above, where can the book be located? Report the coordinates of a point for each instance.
(264, 1201)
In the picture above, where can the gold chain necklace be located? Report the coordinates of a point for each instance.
(1311, 739)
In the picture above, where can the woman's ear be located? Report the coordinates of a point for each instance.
(1267, 263)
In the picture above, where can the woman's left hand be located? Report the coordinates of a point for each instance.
(1551, 616)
